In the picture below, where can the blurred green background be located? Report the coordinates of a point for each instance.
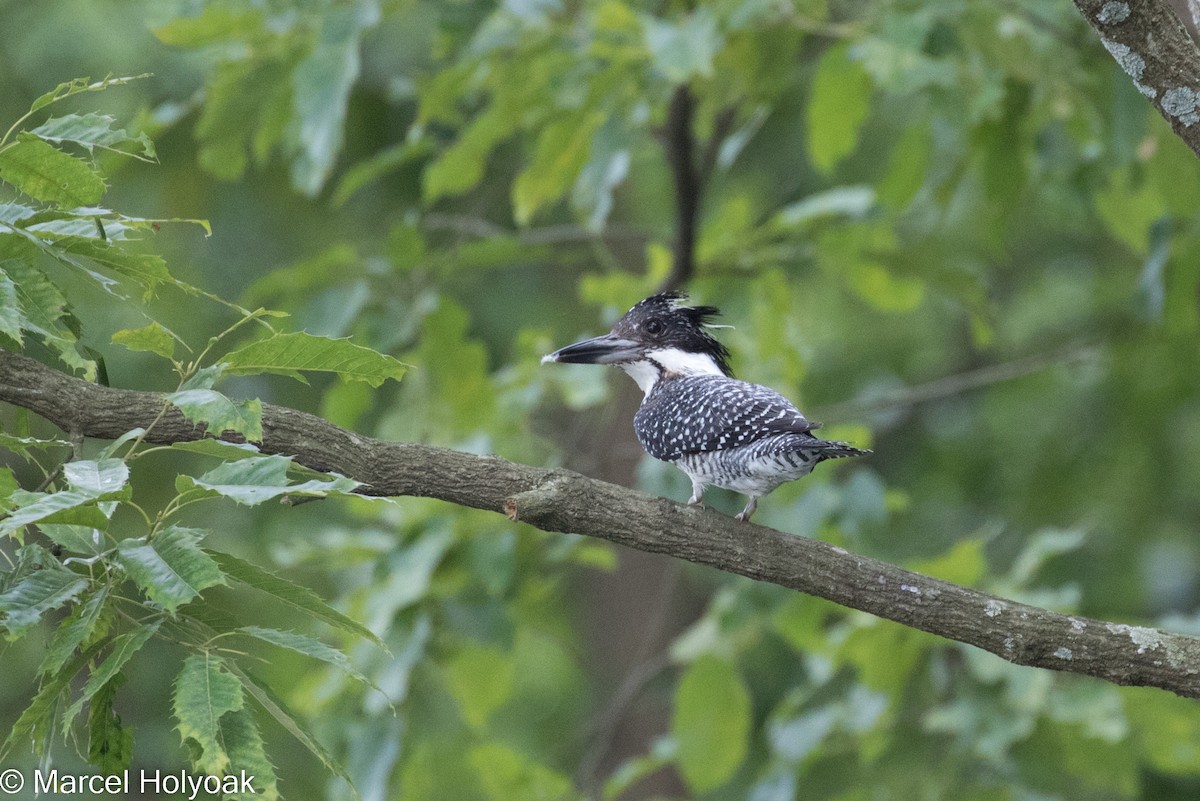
(953, 231)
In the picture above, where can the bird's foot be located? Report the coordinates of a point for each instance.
(744, 515)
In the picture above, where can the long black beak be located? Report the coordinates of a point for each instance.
(607, 349)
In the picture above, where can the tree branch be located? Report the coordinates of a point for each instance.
(559, 500)
(1149, 41)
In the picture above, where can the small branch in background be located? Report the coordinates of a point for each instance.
(955, 384)
(679, 144)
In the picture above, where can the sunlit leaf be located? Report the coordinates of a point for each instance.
(44, 172)
(839, 103)
(205, 690)
(291, 354)
(152, 338)
(711, 723)
(480, 677)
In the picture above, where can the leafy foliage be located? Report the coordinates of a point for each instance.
(888, 194)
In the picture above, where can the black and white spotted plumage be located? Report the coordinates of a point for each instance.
(718, 430)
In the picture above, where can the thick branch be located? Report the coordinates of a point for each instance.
(1149, 41)
(559, 500)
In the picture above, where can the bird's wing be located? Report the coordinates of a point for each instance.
(732, 413)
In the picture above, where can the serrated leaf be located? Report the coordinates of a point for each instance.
(226, 451)
(68, 506)
(309, 646)
(290, 354)
(244, 745)
(46, 173)
(24, 604)
(110, 745)
(171, 569)
(103, 477)
(123, 647)
(839, 103)
(283, 716)
(205, 690)
(152, 338)
(219, 413)
(73, 632)
(12, 317)
(290, 593)
(33, 726)
(711, 723)
(258, 479)
(80, 85)
(95, 130)
(76, 539)
(147, 269)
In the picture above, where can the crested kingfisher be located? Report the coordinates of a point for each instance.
(718, 430)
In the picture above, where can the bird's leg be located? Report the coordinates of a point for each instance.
(697, 498)
(749, 510)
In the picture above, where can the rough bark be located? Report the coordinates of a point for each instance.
(1150, 42)
(559, 500)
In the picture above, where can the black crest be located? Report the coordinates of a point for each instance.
(663, 321)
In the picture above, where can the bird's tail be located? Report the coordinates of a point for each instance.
(830, 449)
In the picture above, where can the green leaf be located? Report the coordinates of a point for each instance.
(225, 451)
(68, 506)
(106, 477)
(204, 691)
(562, 149)
(289, 593)
(74, 632)
(95, 130)
(309, 646)
(386, 161)
(839, 104)
(244, 745)
(282, 715)
(147, 269)
(289, 354)
(509, 776)
(480, 678)
(110, 745)
(321, 85)
(219, 413)
(81, 85)
(460, 166)
(42, 590)
(261, 478)
(711, 723)
(215, 24)
(171, 569)
(12, 317)
(848, 201)
(683, 49)
(885, 290)
(33, 726)
(44, 172)
(152, 338)
(606, 168)
(124, 647)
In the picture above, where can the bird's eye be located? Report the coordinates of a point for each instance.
(654, 327)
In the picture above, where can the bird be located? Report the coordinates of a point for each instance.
(720, 431)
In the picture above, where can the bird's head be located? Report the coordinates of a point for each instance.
(659, 335)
